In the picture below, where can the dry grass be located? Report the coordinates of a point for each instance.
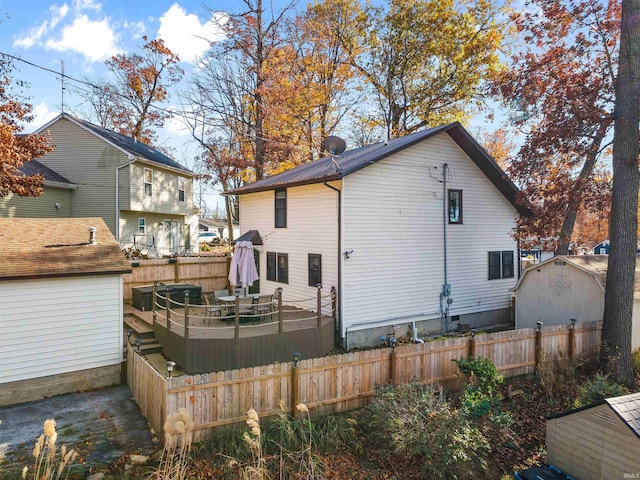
(174, 463)
(48, 465)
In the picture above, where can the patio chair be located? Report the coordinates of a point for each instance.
(220, 293)
(263, 305)
(245, 306)
(211, 310)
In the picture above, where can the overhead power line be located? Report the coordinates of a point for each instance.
(64, 76)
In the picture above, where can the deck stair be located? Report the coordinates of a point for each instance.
(137, 322)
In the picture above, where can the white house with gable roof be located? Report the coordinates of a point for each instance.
(445, 257)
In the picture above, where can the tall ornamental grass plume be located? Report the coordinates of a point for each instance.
(47, 464)
(256, 469)
(178, 432)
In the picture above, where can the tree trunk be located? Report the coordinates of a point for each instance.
(623, 229)
(576, 198)
(260, 146)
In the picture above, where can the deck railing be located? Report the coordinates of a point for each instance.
(199, 337)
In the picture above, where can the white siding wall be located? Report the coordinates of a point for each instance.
(312, 227)
(60, 325)
(554, 294)
(393, 222)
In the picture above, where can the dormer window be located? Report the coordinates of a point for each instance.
(148, 182)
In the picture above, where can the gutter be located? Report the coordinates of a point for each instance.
(65, 186)
(339, 325)
(131, 159)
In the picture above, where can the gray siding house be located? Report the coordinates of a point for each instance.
(565, 287)
(55, 201)
(155, 194)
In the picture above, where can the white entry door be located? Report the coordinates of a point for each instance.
(171, 236)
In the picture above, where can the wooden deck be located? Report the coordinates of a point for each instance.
(201, 344)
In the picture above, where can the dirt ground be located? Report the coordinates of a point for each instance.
(102, 425)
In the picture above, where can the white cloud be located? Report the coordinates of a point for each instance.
(176, 125)
(71, 29)
(185, 35)
(34, 35)
(41, 115)
(93, 39)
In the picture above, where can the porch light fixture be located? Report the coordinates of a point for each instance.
(573, 322)
(170, 366)
(138, 344)
(539, 324)
(296, 359)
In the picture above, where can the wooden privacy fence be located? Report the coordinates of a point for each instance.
(345, 382)
(208, 272)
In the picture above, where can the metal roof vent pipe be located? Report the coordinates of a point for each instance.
(92, 236)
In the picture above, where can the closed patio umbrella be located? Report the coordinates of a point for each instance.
(242, 271)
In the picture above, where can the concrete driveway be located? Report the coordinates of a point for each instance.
(102, 425)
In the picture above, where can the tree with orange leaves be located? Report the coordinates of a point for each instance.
(562, 85)
(141, 82)
(16, 149)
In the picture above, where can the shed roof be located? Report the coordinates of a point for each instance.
(127, 144)
(34, 167)
(57, 247)
(595, 265)
(626, 407)
(327, 168)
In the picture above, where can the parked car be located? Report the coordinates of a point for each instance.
(208, 237)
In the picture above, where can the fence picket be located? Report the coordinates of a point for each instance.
(340, 382)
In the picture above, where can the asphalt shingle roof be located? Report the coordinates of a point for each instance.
(627, 407)
(597, 265)
(57, 247)
(128, 144)
(34, 167)
(328, 168)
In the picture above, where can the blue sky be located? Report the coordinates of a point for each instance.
(84, 33)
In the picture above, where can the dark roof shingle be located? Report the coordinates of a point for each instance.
(128, 144)
(34, 167)
(328, 169)
(627, 407)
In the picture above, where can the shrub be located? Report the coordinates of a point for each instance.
(417, 423)
(481, 397)
(598, 389)
(556, 375)
(635, 361)
(480, 373)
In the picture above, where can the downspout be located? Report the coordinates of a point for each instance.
(446, 288)
(131, 159)
(339, 293)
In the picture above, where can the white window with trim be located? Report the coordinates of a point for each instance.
(142, 225)
(148, 182)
